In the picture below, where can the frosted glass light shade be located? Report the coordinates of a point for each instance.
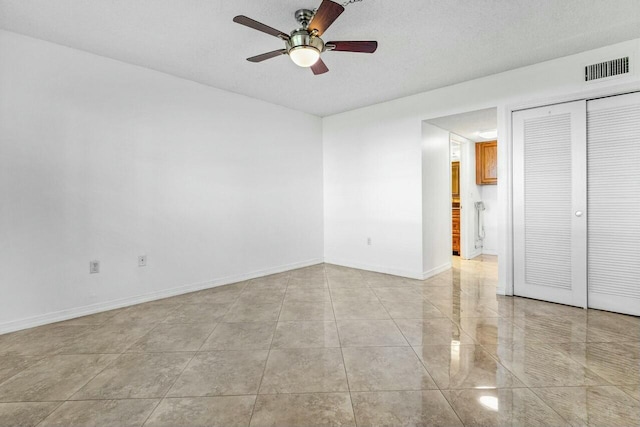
(304, 56)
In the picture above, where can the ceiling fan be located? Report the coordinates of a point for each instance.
(304, 44)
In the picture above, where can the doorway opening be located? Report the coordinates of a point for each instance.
(472, 208)
(455, 196)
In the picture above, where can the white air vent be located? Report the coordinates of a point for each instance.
(606, 69)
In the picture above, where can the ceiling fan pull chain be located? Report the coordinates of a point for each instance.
(345, 4)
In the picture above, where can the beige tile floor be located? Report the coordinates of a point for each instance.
(328, 345)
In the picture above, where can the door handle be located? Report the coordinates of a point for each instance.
(579, 213)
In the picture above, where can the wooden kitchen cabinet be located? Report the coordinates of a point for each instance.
(455, 228)
(455, 180)
(487, 163)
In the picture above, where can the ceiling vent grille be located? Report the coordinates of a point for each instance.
(606, 69)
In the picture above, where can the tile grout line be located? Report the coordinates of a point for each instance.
(476, 342)
(49, 414)
(266, 361)
(185, 367)
(143, 336)
(344, 364)
(168, 389)
(174, 381)
(494, 358)
(42, 357)
(22, 370)
(99, 372)
(425, 367)
(422, 363)
(531, 389)
(324, 392)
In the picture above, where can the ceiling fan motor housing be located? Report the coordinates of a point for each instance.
(302, 39)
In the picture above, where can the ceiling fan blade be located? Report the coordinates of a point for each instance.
(251, 23)
(268, 55)
(364, 47)
(324, 17)
(319, 67)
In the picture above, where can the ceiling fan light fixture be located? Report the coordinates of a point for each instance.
(304, 49)
(304, 56)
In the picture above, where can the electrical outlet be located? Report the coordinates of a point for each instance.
(142, 261)
(368, 241)
(94, 267)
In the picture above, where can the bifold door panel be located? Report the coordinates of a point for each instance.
(576, 193)
(613, 192)
(549, 175)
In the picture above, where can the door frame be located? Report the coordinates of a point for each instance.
(505, 165)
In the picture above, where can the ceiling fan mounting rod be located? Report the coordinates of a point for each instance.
(304, 16)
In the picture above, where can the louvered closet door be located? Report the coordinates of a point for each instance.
(549, 193)
(613, 188)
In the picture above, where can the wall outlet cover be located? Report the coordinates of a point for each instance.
(94, 267)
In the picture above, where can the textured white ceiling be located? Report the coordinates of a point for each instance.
(469, 124)
(423, 44)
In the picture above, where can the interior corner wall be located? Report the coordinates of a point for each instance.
(102, 160)
(436, 200)
(372, 190)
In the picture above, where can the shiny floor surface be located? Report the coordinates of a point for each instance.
(328, 345)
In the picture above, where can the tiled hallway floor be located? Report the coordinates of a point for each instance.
(328, 345)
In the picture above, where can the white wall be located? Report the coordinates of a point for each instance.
(436, 200)
(379, 147)
(105, 160)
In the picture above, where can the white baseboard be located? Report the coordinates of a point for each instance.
(500, 291)
(437, 270)
(474, 254)
(489, 252)
(71, 313)
(375, 268)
